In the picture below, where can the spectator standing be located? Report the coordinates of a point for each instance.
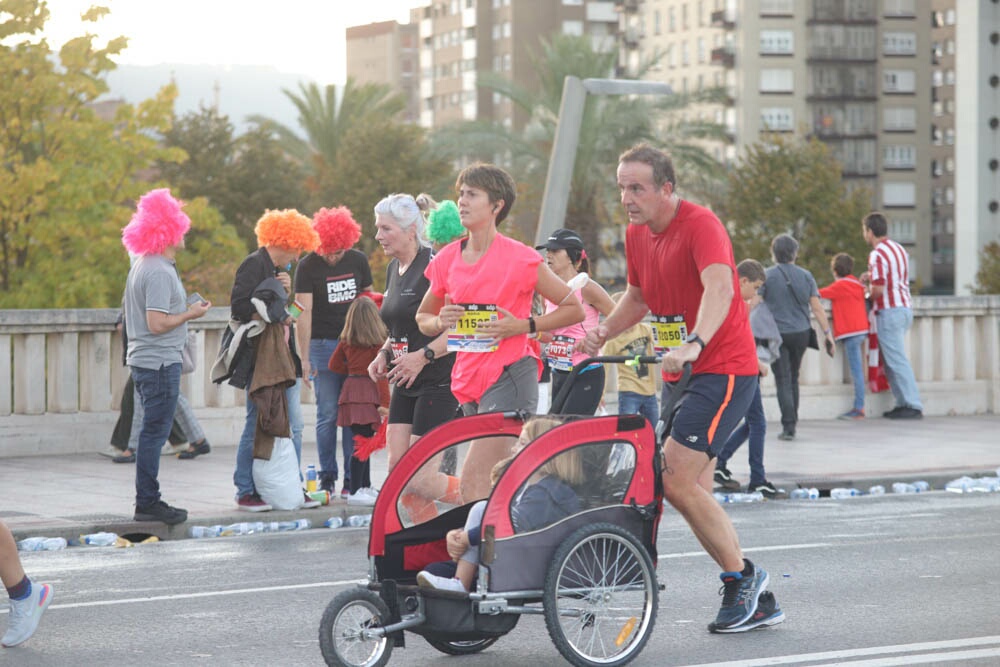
(754, 425)
(636, 384)
(487, 281)
(888, 277)
(850, 324)
(282, 236)
(157, 313)
(28, 601)
(566, 256)
(418, 366)
(790, 292)
(681, 266)
(326, 283)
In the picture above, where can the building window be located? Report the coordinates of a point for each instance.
(656, 22)
(949, 77)
(572, 28)
(702, 53)
(776, 42)
(777, 7)
(900, 8)
(949, 136)
(899, 157)
(777, 81)
(671, 20)
(899, 81)
(777, 119)
(899, 194)
(899, 119)
(899, 43)
(903, 231)
(684, 53)
(949, 17)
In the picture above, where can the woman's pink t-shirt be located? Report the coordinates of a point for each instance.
(506, 276)
(577, 332)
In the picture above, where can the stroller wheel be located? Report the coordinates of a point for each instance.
(462, 648)
(341, 638)
(600, 597)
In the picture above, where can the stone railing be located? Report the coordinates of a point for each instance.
(61, 374)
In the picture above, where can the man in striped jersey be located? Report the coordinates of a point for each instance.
(888, 277)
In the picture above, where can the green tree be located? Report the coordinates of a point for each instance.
(795, 187)
(988, 276)
(240, 176)
(610, 125)
(396, 159)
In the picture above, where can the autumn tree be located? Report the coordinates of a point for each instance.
(988, 276)
(69, 175)
(794, 186)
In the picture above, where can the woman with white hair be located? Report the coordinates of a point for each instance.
(418, 365)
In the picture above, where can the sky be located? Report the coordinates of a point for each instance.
(296, 36)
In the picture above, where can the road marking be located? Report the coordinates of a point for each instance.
(877, 650)
(918, 659)
(783, 547)
(203, 594)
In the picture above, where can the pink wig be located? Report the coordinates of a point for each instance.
(158, 224)
(336, 228)
(286, 229)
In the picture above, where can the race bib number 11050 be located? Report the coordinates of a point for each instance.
(669, 331)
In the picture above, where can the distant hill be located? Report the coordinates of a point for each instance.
(243, 90)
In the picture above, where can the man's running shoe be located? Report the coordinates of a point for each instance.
(768, 613)
(724, 478)
(739, 596)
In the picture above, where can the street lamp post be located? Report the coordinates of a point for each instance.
(567, 138)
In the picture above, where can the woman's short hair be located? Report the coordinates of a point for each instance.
(784, 249)
(408, 212)
(493, 180)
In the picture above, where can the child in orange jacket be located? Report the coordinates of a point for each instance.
(850, 324)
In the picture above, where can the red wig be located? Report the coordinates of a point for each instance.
(158, 224)
(287, 229)
(336, 228)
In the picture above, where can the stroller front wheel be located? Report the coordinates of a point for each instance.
(341, 638)
(600, 596)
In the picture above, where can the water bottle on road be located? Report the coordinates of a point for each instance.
(359, 520)
(903, 487)
(99, 539)
(334, 522)
(205, 531)
(756, 496)
(922, 486)
(244, 528)
(877, 490)
(841, 493)
(285, 526)
(41, 544)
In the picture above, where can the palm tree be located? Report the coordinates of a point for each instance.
(610, 125)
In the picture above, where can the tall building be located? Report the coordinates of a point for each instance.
(386, 53)
(856, 74)
(943, 137)
(458, 39)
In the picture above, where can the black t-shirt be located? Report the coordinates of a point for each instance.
(333, 288)
(403, 294)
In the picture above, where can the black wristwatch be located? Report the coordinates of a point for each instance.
(429, 353)
(695, 338)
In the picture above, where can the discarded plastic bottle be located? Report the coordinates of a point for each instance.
(42, 544)
(877, 490)
(719, 497)
(244, 528)
(960, 485)
(903, 487)
(841, 493)
(99, 539)
(285, 526)
(743, 497)
(922, 486)
(799, 494)
(359, 520)
(986, 484)
(310, 479)
(334, 522)
(205, 531)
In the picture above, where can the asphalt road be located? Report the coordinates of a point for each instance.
(897, 580)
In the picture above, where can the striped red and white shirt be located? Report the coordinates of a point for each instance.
(889, 266)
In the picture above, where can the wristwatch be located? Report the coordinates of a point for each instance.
(429, 353)
(695, 338)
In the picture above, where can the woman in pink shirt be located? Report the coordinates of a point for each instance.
(565, 255)
(481, 289)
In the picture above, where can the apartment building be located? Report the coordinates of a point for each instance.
(856, 74)
(386, 53)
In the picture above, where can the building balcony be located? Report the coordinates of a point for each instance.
(722, 19)
(724, 56)
(627, 6)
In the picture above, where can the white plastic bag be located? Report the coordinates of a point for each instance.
(277, 480)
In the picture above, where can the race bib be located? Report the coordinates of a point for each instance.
(463, 337)
(669, 331)
(399, 346)
(560, 353)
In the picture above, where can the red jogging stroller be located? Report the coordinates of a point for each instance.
(591, 574)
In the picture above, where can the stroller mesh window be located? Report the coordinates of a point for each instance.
(582, 478)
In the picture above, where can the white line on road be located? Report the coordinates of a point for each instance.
(951, 657)
(875, 650)
(781, 547)
(203, 594)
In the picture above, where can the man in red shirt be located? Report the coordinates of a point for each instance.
(888, 277)
(681, 267)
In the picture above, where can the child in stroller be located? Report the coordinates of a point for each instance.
(547, 498)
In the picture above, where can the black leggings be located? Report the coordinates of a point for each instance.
(361, 476)
(586, 394)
